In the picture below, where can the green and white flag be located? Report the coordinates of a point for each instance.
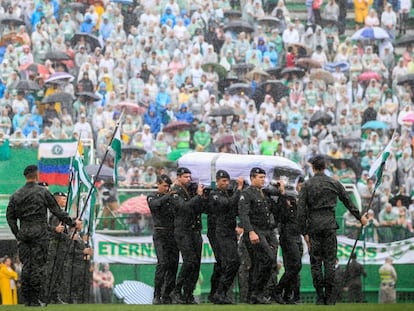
(377, 168)
(116, 147)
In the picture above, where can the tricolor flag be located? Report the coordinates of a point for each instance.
(377, 167)
(54, 160)
(116, 146)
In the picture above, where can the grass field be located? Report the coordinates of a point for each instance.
(211, 307)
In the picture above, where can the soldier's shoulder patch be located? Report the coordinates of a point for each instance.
(215, 197)
(149, 198)
(241, 198)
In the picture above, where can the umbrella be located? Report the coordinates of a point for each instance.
(130, 107)
(368, 75)
(132, 149)
(269, 21)
(223, 111)
(331, 67)
(307, 62)
(242, 68)
(370, 33)
(134, 292)
(89, 95)
(375, 125)
(320, 74)
(293, 72)
(408, 78)
(60, 76)
(226, 139)
(177, 153)
(225, 83)
(12, 20)
(135, 205)
(219, 69)
(301, 49)
(176, 125)
(262, 74)
(11, 38)
(92, 40)
(321, 117)
(405, 200)
(277, 89)
(77, 6)
(275, 71)
(58, 98)
(409, 117)
(232, 14)
(160, 163)
(349, 163)
(27, 85)
(238, 88)
(34, 67)
(57, 56)
(238, 26)
(106, 173)
(405, 40)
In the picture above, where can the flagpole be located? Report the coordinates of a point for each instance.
(94, 178)
(69, 193)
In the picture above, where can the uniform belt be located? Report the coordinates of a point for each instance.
(163, 228)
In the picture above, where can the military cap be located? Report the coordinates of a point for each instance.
(166, 179)
(43, 184)
(222, 174)
(59, 194)
(183, 170)
(30, 170)
(257, 170)
(318, 160)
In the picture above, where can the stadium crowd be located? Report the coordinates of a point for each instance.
(168, 61)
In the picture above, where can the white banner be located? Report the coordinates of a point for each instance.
(140, 250)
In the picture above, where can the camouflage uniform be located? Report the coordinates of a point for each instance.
(291, 244)
(256, 214)
(354, 272)
(58, 248)
(223, 208)
(165, 245)
(187, 234)
(29, 206)
(316, 210)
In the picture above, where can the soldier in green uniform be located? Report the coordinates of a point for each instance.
(316, 210)
(27, 218)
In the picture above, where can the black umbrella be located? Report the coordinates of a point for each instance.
(405, 40)
(408, 78)
(238, 88)
(12, 20)
(269, 21)
(176, 125)
(27, 85)
(133, 149)
(293, 72)
(238, 26)
(89, 96)
(223, 111)
(225, 83)
(275, 88)
(77, 6)
(348, 162)
(232, 14)
(227, 139)
(61, 97)
(320, 116)
(275, 71)
(242, 68)
(405, 200)
(57, 56)
(92, 40)
(106, 172)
